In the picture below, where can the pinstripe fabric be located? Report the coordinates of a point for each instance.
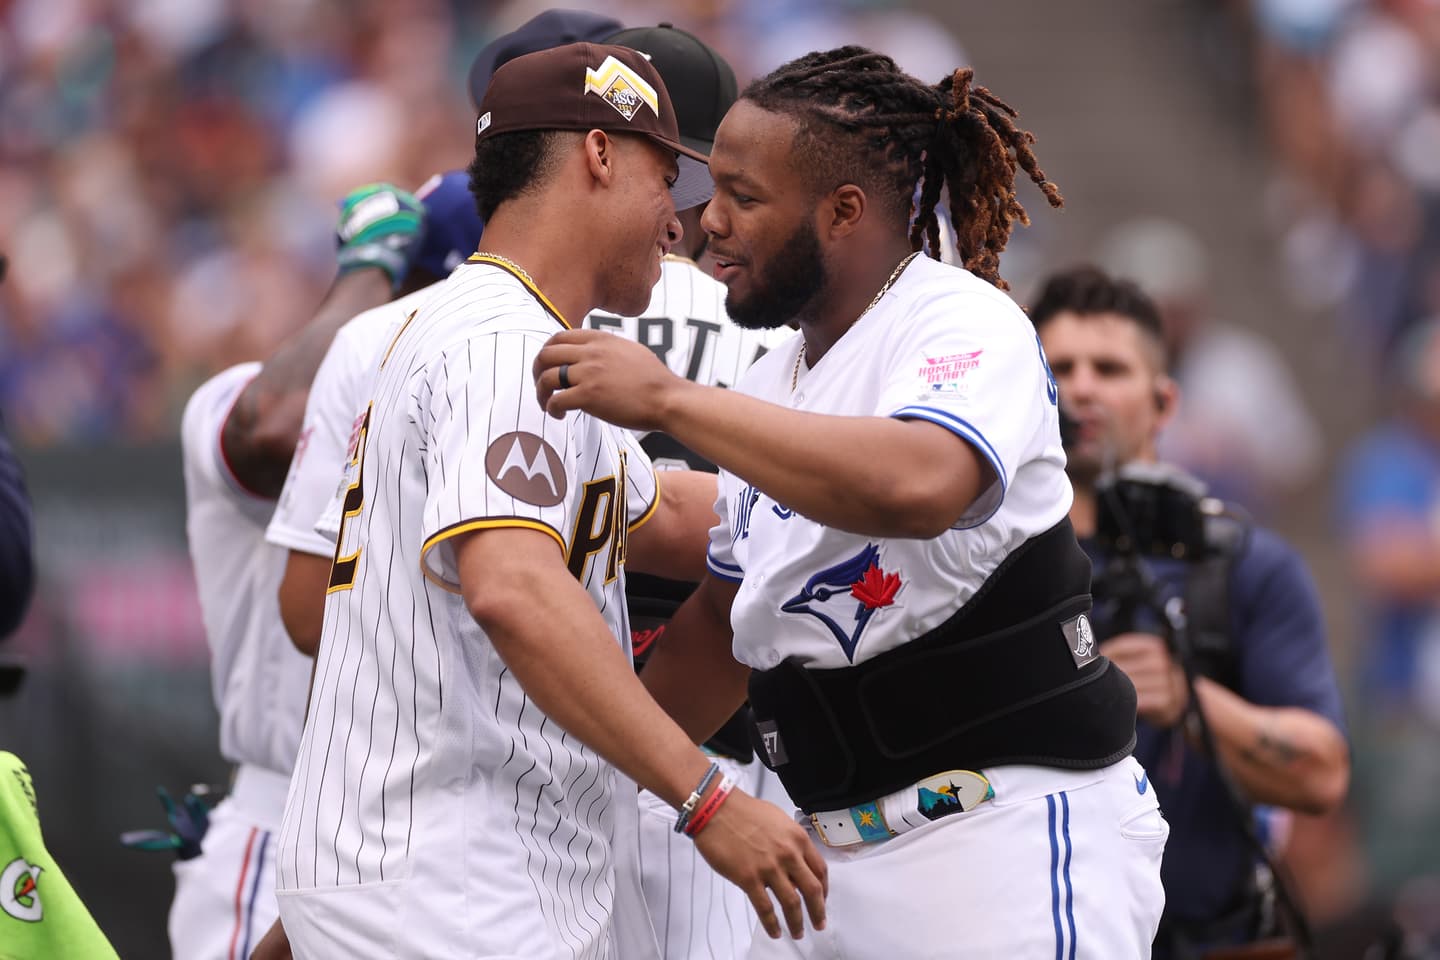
(428, 786)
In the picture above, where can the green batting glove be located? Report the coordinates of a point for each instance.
(380, 226)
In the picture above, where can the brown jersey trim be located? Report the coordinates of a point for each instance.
(528, 284)
(470, 526)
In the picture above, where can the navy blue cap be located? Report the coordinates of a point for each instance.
(553, 28)
(452, 225)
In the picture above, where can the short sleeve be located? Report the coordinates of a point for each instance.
(720, 559)
(493, 458)
(205, 465)
(332, 422)
(642, 483)
(972, 365)
(1285, 661)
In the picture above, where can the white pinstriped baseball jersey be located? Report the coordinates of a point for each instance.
(941, 345)
(435, 811)
(259, 679)
(334, 411)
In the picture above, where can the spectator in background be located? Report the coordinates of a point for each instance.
(1244, 428)
(1390, 517)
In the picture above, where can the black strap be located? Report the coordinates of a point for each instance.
(996, 683)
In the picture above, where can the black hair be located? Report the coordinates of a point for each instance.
(1087, 291)
(510, 164)
(863, 120)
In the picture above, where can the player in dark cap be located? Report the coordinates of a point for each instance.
(500, 827)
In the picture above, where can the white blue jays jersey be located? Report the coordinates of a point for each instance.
(943, 346)
(431, 796)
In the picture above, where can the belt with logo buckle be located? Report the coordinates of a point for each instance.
(954, 791)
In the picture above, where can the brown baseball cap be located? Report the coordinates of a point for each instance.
(592, 86)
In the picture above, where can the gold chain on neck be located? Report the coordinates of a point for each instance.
(511, 264)
(895, 275)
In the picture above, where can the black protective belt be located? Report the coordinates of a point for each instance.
(996, 683)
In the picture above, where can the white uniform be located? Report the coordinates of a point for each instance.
(224, 899)
(696, 912)
(435, 811)
(1060, 862)
(334, 411)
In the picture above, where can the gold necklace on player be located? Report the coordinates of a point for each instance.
(899, 269)
(519, 270)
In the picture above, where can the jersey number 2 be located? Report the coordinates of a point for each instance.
(344, 569)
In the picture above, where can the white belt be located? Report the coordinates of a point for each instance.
(955, 791)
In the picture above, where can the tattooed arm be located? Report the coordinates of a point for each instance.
(1286, 756)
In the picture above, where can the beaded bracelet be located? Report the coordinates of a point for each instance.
(706, 812)
(688, 808)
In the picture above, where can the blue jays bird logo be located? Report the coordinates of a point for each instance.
(845, 596)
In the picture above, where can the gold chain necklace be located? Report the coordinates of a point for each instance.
(519, 270)
(899, 269)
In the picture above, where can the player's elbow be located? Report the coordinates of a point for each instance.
(258, 450)
(923, 506)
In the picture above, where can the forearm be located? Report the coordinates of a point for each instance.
(259, 435)
(692, 673)
(567, 660)
(877, 476)
(1286, 756)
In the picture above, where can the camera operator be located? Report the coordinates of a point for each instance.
(1263, 689)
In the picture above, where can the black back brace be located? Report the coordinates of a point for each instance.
(989, 686)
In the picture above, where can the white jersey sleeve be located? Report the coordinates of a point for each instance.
(642, 484)
(333, 413)
(976, 373)
(493, 457)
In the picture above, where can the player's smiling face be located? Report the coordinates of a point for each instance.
(644, 226)
(761, 223)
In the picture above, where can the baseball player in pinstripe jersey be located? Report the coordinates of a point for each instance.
(695, 912)
(237, 434)
(454, 793)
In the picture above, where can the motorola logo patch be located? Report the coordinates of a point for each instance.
(526, 467)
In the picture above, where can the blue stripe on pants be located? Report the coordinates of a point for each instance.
(1069, 889)
(1055, 881)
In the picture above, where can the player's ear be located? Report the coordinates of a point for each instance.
(844, 208)
(600, 152)
(1167, 398)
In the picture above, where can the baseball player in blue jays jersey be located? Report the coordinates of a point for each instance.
(894, 577)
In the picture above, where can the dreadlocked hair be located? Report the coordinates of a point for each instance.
(900, 133)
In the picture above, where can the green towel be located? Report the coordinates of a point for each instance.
(41, 918)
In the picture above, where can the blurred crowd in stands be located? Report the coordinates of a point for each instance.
(169, 171)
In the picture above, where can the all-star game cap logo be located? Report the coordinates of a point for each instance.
(622, 88)
(526, 467)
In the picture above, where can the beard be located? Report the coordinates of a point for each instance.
(789, 282)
